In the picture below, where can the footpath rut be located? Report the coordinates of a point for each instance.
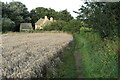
(78, 63)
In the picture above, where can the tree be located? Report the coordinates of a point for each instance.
(41, 12)
(0, 16)
(58, 25)
(102, 17)
(5, 9)
(7, 25)
(73, 26)
(17, 12)
(65, 16)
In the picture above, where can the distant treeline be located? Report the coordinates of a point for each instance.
(101, 17)
(14, 13)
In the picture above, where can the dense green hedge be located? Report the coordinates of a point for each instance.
(58, 25)
(7, 25)
(72, 26)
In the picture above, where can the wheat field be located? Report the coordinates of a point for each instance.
(23, 53)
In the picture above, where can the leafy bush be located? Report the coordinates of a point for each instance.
(73, 26)
(58, 25)
(7, 25)
(85, 29)
(102, 17)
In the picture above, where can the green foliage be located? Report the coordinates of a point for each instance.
(64, 15)
(58, 25)
(7, 24)
(102, 17)
(73, 26)
(99, 58)
(17, 12)
(85, 29)
(67, 68)
(41, 12)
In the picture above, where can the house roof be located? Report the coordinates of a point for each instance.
(40, 21)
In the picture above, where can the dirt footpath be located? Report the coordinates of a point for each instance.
(22, 53)
(77, 56)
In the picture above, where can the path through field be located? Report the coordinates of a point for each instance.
(78, 63)
(25, 52)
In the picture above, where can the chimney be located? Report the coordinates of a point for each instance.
(46, 18)
(51, 19)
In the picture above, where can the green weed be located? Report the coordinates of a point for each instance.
(67, 69)
(99, 59)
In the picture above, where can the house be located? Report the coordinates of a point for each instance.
(26, 26)
(41, 23)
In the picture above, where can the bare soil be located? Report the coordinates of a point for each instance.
(78, 63)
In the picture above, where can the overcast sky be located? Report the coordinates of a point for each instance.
(70, 5)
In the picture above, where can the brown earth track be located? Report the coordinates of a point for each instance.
(77, 56)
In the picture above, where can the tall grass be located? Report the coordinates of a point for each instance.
(67, 68)
(99, 59)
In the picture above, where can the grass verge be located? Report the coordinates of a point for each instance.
(99, 59)
(67, 68)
